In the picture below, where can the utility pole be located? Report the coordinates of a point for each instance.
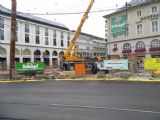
(13, 38)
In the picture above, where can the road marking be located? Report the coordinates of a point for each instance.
(107, 108)
(91, 107)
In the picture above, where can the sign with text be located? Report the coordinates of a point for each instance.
(152, 63)
(116, 64)
(34, 66)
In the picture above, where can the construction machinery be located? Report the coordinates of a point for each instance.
(68, 60)
(67, 56)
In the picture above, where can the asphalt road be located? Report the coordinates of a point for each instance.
(79, 100)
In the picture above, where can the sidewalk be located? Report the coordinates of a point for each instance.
(131, 79)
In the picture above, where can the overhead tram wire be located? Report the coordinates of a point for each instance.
(66, 8)
(67, 13)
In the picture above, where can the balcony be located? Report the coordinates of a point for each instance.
(140, 50)
(114, 49)
(154, 49)
(127, 51)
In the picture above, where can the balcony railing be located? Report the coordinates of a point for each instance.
(154, 49)
(140, 50)
(127, 51)
(114, 49)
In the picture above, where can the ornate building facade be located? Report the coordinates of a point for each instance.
(134, 29)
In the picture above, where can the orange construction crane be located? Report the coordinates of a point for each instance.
(67, 56)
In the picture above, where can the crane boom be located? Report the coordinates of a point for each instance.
(67, 55)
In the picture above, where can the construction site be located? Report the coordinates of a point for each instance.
(73, 65)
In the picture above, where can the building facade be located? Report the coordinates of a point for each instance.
(134, 30)
(91, 46)
(37, 39)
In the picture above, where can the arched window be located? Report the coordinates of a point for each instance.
(46, 52)
(37, 52)
(26, 52)
(127, 46)
(140, 45)
(3, 51)
(54, 53)
(61, 53)
(155, 43)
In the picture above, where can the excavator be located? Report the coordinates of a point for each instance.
(67, 58)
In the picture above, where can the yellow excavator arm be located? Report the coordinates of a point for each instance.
(67, 56)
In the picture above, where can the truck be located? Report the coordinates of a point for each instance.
(68, 60)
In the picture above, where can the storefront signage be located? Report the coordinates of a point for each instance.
(116, 64)
(34, 66)
(152, 63)
(118, 25)
(153, 16)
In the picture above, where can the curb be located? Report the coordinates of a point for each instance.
(85, 79)
(17, 81)
(114, 79)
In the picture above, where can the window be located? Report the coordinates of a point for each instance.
(62, 43)
(1, 34)
(115, 45)
(68, 42)
(26, 38)
(1, 23)
(46, 41)
(154, 9)
(140, 45)
(139, 13)
(61, 35)
(155, 43)
(37, 39)
(114, 36)
(1, 29)
(68, 39)
(37, 35)
(46, 37)
(139, 29)
(127, 46)
(46, 32)
(26, 33)
(68, 36)
(37, 30)
(26, 28)
(54, 34)
(154, 26)
(127, 31)
(54, 41)
(54, 38)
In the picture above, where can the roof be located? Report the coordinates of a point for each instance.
(29, 17)
(130, 6)
(89, 35)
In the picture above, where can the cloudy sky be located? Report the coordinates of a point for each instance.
(53, 8)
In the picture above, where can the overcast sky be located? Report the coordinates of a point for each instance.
(94, 24)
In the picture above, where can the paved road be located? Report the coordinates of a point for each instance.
(79, 100)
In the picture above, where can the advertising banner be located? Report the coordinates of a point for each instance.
(152, 63)
(118, 25)
(34, 66)
(116, 64)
